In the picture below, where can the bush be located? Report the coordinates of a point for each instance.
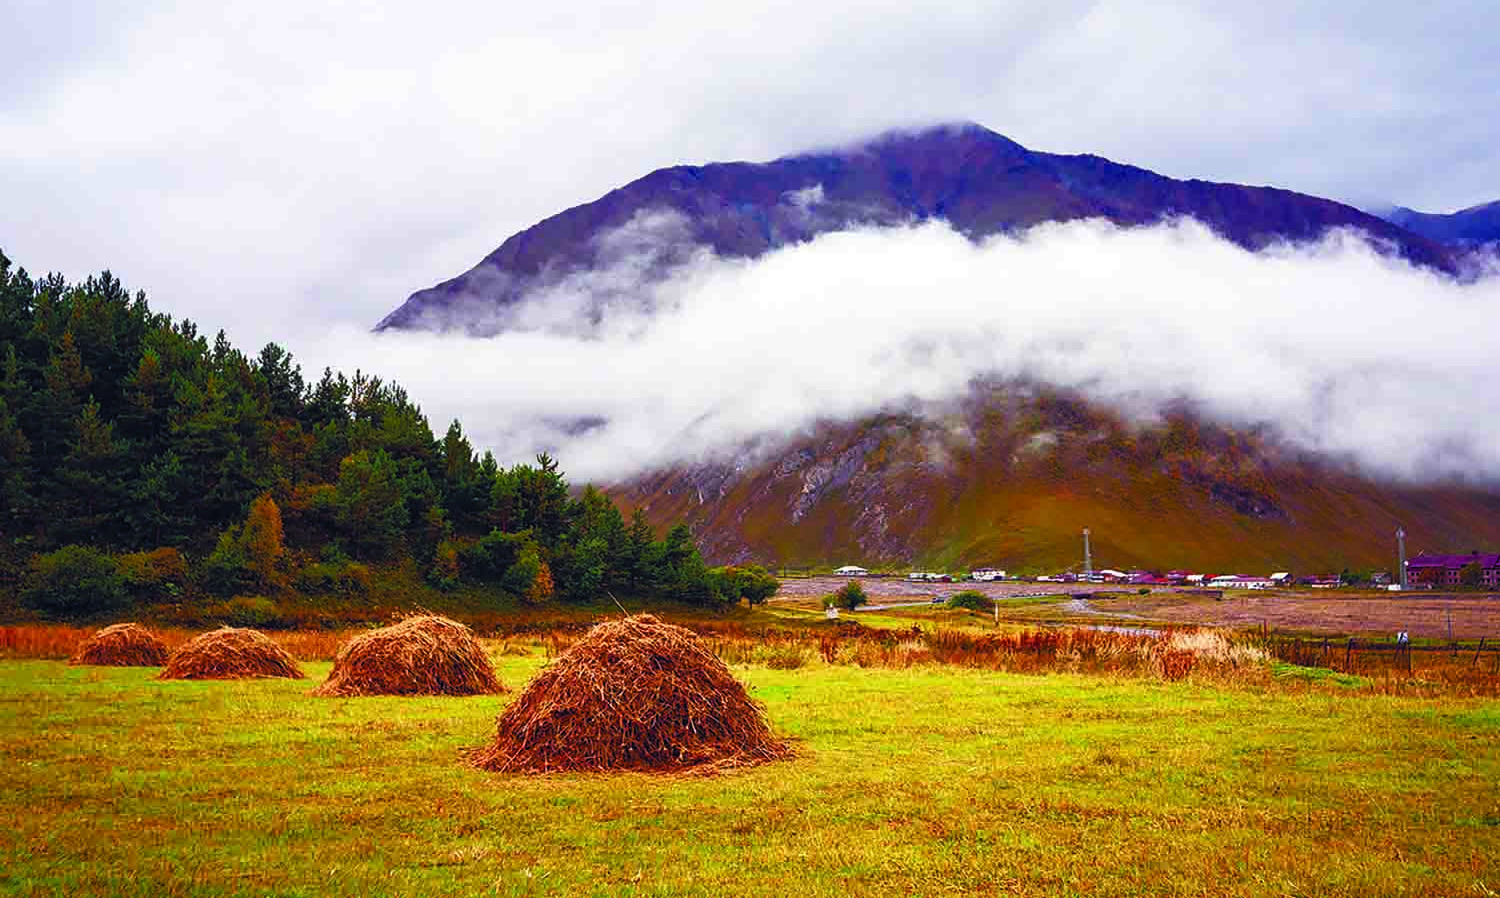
(249, 611)
(849, 598)
(751, 583)
(971, 599)
(345, 577)
(149, 575)
(444, 571)
(75, 580)
(226, 569)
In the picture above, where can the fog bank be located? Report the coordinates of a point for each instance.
(1344, 350)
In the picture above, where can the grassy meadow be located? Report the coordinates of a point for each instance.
(924, 780)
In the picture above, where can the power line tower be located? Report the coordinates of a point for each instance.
(1401, 552)
(1088, 558)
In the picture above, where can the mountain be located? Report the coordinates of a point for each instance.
(1010, 478)
(980, 182)
(1475, 226)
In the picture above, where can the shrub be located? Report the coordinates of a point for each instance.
(751, 583)
(444, 571)
(227, 568)
(850, 597)
(249, 611)
(971, 599)
(344, 577)
(74, 580)
(148, 575)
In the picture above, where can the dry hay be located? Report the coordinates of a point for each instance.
(421, 655)
(122, 645)
(231, 653)
(633, 694)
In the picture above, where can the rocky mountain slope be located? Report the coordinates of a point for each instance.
(979, 181)
(1009, 477)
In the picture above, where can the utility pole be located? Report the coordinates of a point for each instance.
(1088, 558)
(1401, 550)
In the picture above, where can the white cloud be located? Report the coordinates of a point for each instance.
(1346, 351)
(266, 165)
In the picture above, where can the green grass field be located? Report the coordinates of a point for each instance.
(925, 781)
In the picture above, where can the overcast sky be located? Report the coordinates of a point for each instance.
(268, 166)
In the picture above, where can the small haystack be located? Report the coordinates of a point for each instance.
(122, 645)
(231, 653)
(633, 694)
(422, 655)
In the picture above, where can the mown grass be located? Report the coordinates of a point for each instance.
(928, 780)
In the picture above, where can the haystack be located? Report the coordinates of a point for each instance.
(231, 653)
(633, 694)
(421, 655)
(122, 645)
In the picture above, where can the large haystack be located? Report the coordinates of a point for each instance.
(231, 653)
(422, 655)
(633, 694)
(122, 645)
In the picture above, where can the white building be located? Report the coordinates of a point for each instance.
(852, 570)
(986, 574)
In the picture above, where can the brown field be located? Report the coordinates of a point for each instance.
(1353, 613)
(1319, 612)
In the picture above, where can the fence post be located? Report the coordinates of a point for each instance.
(1349, 655)
(1477, 651)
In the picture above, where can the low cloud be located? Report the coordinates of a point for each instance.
(1344, 350)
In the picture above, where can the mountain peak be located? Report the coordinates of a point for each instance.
(978, 181)
(906, 138)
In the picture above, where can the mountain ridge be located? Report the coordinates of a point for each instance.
(981, 182)
(1475, 226)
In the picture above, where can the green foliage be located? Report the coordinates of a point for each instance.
(849, 597)
(227, 569)
(75, 580)
(334, 577)
(972, 600)
(125, 430)
(154, 575)
(249, 611)
(751, 583)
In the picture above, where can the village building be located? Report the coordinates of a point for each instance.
(1241, 581)
(852, 570)
(1322, 581)
(1447, 571)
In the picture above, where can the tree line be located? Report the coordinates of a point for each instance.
(140, 458)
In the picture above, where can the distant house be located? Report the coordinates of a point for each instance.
(1447, 570)
(1110, 575)
(1324, 581)
(1240, 581)
(1282, 578)
(986, 574)
(852, 570)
